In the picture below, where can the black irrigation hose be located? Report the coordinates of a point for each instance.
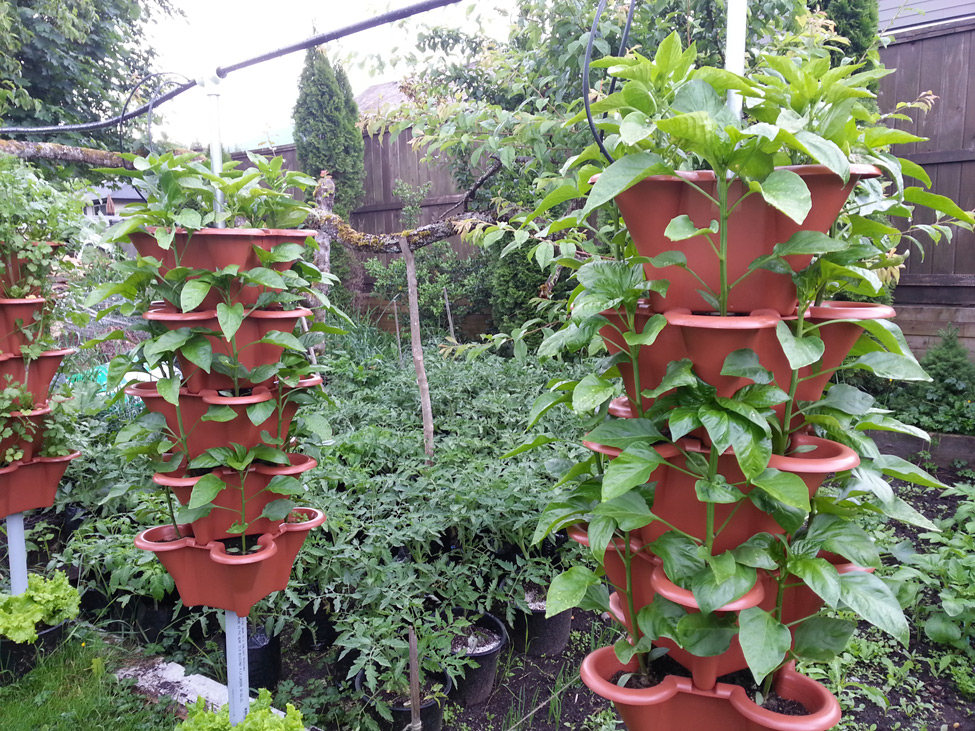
(390, 17)
(152, 101)
(597, 135)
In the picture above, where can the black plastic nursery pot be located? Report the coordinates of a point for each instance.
(318, 632)
(431, 709)
(263, 659)
(19, 658)
(478, 681)
(535, 635)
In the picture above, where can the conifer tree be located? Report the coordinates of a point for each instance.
(326, 135)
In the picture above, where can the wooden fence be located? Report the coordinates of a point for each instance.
(386, 161)
(939, 59)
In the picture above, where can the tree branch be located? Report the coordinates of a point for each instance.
(417, 238)
(63, 153)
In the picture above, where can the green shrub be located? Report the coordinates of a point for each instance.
(437, 267)
(945, 404)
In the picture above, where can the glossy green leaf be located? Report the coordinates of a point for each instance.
(799, 351)
(590, 393)
(787, 192)
(786, 487)
(820, 639)
(764, 641)
(168, 388)
(568, 589)
(230, 318)
(706, 635)
(873, 600)
(820, 576)
(631, 468)
(261, 411)
(205, 490)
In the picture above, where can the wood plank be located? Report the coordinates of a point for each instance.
(932, 78)
(954, 101)
(940, 157)
(964, 241)
(935, 313)
(906, 89)
(943, 255)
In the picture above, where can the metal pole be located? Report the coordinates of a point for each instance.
(17, 553)
(734, 57)
(238, 693)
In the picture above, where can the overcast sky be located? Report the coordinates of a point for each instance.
(256, 103)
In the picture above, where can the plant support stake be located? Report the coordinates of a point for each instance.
(17, 553)
(734, 57)
(237, 673)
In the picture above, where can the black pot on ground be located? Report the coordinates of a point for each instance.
(534, 635)
(318, 632)
(151, 618)
(74, 516)
(478, 681)
(431, 710)
(19, 658)
(263, 659)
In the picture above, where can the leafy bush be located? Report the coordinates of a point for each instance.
(437, 267)
(945, 403)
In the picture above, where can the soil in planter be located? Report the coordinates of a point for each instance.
(234, 546)
(428, 691)
(773, 701)
(475, 640)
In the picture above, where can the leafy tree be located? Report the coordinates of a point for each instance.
(326, 133)
(856, 20)
(71, 62)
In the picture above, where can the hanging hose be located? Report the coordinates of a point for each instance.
(597, 135)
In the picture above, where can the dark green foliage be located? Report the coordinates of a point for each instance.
(437, 266)
(513, 284)
(341, 266)
(326, 134)
(856, 20)
(72, 62)
(945, 403)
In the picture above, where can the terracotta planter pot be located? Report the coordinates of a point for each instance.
(31, 485)
(207, 575)
(215, 525)
(18, 323)
(34, 437)
(250, 352)
(215, 248)
(36, 374)
(203, 435)
(651, 361)
(705, 670)
(13, 268)
(754, 228)
(839, 336)
(641, 570)
(675, 500)
(675, 703)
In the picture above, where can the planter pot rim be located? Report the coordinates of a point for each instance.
(53, 460)
(40, 411)
(838, 310)
(63, 352)
(579, 533)
(825, 715)
(828, 456)
(592, 675)
(24, 301)
(858, 170)
(497, 626)
(258, 394)
(171, 314)
(221, 232)
(161, 539)
(300, 463)
(669, 590)
(757, 320)
(666, 449)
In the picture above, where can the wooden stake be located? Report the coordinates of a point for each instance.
(450, 319)
(415, 723)
(426, 410)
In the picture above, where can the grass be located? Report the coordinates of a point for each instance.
(74, 688)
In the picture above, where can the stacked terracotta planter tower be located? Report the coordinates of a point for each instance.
(252, 415)
(29, 482)
(693, 331)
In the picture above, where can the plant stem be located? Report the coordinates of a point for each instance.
(721, 179)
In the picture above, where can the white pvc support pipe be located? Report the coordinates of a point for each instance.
(734, 57)
(212, 86)
(17, 553)
(238, 692)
